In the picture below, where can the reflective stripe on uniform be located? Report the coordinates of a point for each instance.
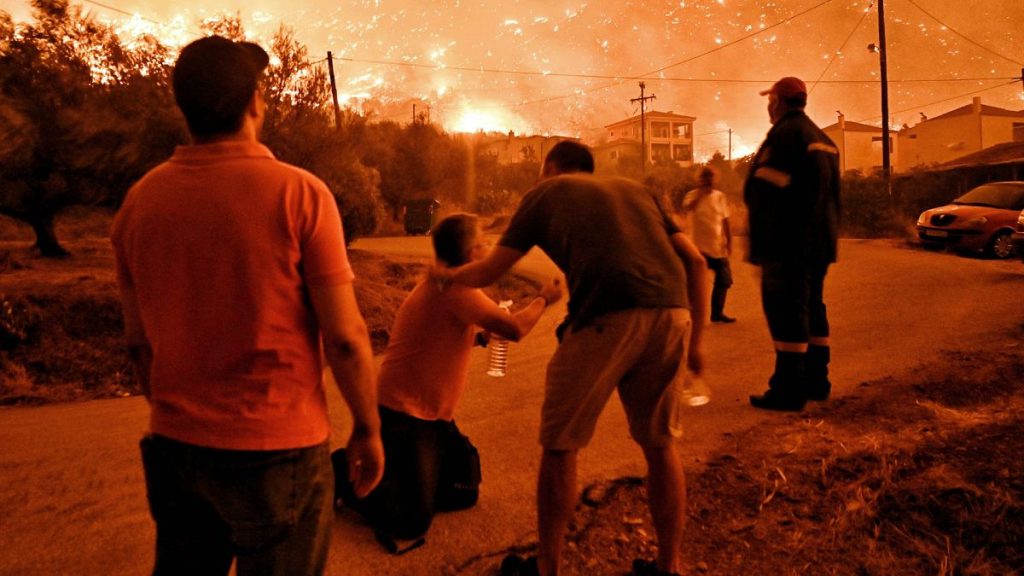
(773, 176)
(822, 147)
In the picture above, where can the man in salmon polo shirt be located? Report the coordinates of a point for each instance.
(232, 270)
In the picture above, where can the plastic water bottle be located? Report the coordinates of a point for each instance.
(695, 390)
(497, 362)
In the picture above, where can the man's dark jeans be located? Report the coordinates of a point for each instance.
(268, 510)
(792, 297)
(723, 280)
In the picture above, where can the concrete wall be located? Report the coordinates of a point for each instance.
(938, 141)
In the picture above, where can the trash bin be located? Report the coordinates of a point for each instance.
(420, 215)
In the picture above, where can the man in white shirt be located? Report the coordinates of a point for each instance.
(711, 234)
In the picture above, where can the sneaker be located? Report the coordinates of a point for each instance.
(516, 565)
(723, 319)
(774, 400)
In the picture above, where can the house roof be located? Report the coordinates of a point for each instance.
(653, 114)
(856, 127)
(986, 110)
(1005, 153)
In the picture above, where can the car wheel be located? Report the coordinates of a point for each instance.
(1000, 246)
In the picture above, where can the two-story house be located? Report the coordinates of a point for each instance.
(668, 137)
(860, 145)
(957, 133)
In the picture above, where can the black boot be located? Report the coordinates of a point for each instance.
(785, 387)
(818, 387)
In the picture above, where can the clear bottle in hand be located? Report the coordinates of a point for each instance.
(695, 390)
(497, 362)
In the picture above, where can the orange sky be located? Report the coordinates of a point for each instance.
(558, 66)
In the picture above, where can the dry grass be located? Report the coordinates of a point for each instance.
(73, 348)
(916, 476)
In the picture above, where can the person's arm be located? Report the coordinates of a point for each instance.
(727, 233)
(347, 347)
(480, 273)
(686, 203)
(483, 312)
(139, 350)
(696, 292)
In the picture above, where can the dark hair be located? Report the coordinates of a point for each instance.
(452, 238)
(708, 173)
(570, 156)
(214, 80)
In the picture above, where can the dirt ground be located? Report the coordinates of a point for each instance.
(916, 475)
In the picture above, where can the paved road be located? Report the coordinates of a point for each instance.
(72, 499)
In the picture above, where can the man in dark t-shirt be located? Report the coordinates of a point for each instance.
(636, 310)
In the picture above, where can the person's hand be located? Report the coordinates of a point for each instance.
(365, 453)
(695, 360)
(552, 291)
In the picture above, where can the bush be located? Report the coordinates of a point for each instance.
(869, 211)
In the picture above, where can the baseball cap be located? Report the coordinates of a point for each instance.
(787, 87)
(214, 79)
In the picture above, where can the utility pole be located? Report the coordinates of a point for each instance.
(730, 146)
(643, 126)
(421, 117)
(334, 91)
(886, 168)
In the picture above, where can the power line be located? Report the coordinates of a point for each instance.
(958, 96)
(692, 58)
(837, 52)
(958, 33)
(621, 79)
(740, 39)
(624, 78)
(125, 12)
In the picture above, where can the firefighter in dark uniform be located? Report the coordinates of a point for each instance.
(792, 195)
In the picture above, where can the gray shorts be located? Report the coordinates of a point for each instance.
(639, 352)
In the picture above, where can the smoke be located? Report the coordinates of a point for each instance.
(725, 51)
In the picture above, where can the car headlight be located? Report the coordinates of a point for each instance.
(1020, 219)
(924, 217)
(976, 222)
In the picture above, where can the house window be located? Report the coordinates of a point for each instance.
(660, 152)
(682, 153)
(614, 154)
(660, 130)
(878, 139)
(681, 130)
